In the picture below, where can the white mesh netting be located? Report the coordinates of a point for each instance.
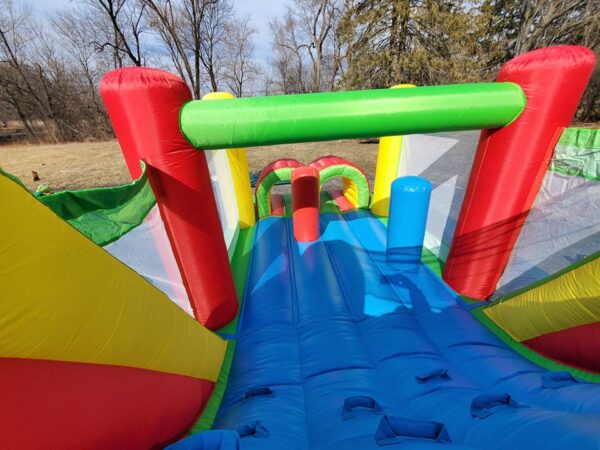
(562, 227)
(146, 250)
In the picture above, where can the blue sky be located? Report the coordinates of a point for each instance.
(261, 12)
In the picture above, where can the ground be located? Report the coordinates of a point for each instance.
(99, 164)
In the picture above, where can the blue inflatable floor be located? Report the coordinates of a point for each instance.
(335, 350)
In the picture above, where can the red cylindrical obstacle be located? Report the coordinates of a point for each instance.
(305, 204)
(510, 165)
(143, 105)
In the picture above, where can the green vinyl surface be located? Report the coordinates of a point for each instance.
(280, 119)
(104, 214)
(578, 153)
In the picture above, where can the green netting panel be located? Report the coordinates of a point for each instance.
(578, 153)
(104, 214)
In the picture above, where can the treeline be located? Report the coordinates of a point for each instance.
(50, 67)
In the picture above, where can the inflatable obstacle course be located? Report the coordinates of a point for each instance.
(329, 329)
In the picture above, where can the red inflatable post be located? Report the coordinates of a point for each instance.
(305, 203)
(143, 105)
(510, 165)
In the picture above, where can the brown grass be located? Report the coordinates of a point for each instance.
(66, 166)
(100, 164)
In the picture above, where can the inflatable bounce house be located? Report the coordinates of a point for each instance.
(454, 305)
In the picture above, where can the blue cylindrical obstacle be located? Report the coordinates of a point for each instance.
(409, 203)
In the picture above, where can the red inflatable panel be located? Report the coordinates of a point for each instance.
(510, 165)
(305, 204)
(277, 206)
(341, 201)
(577, 346)
(332, 160)
(66, 405)
(143, 105)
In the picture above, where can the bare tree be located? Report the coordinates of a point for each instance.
(289, 62)
(193, 33)
(240, 67)
(306, 38)
(18, 80)
(125, 19)
(214, 40)
(76, 32)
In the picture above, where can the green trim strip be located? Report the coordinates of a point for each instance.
(240, 264)
(578, 154)
(284, 119)
(529, 354)
(104, 214)
(287, 204)
(233, 246)
(207, 419)
(435, 264)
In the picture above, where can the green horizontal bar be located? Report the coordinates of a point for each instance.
(281, 119)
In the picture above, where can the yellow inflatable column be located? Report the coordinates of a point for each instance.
(350, 191)
(388, 159)
(239, 173)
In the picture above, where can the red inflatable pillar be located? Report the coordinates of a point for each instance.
(143, 105)
(510, 165)
(305, 204)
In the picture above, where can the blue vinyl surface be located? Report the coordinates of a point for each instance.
(337, 350)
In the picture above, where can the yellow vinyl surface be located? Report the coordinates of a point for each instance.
(350, 191)
(66, 299)
(569, 300)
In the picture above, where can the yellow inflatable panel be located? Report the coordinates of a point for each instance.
(350, 191)
(66, 299)
(569, 300)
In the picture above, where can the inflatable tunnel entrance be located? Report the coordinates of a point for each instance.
(356, 190)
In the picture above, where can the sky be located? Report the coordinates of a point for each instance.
(261, 12)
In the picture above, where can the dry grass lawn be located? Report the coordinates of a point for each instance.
(100, 164)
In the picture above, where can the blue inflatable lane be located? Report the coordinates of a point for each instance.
(338, 350)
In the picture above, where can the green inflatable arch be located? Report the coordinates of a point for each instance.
(280, 170)
(356, 186)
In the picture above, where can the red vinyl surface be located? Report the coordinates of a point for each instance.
(577, 346)
(305, 203)
(340, 200)
(67, 405)
(277, 206)
(510, 165)
(143, 105)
